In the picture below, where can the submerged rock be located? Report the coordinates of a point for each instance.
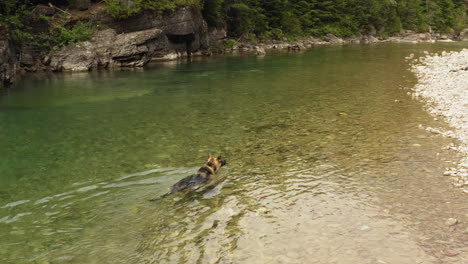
(451, 221)
(451, 252)
(449, 173)
(365, 228)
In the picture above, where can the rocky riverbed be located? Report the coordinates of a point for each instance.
(443, 85)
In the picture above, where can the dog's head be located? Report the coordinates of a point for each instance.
(215, 163)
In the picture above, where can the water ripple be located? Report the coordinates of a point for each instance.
(8, 220)
(13, 204)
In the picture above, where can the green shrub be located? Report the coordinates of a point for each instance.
(230, 43)
(265, 36)
(290, 23)
(292, 37)
(14, 14)
(276, 33)
(81, 31)
(118, 9)
(251, 37)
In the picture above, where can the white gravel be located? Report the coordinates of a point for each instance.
(443, 85)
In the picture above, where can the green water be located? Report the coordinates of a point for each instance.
(327, 163)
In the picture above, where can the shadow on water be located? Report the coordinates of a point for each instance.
(327, 164)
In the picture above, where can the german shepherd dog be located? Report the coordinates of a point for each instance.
(211, 167)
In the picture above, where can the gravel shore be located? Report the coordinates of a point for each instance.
(443, 85)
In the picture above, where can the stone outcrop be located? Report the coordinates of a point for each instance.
(412, 37)
(8, 60)
(43, 10)
(333, 39)
(131, 42)
(135, 41)
(463, 36)
(367, 40)
(109, 49)
(216, 35)
(184, 26)
(297, 47)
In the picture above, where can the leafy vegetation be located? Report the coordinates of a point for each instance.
(17, 15)
(279, 18)
(126, 8)
(13, 14)
(258, 19)
(80, 32)
(229, 43)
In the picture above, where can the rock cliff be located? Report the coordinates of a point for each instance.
(109, 49)
(131, 42)
(8, 59)
(135, 41)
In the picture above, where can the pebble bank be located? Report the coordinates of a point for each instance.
(443, 85)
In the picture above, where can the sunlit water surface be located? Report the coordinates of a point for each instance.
(328, 162)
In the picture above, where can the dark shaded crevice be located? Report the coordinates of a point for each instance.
(186, 39)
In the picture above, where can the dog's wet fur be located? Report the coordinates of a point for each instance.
(203, 175)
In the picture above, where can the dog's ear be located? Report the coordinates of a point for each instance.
(209, 157)
(219, 157)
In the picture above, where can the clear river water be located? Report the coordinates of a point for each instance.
(328, 162)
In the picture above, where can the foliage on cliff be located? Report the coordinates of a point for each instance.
(126, 8)
(266, 18)
(13, 14)
(62, 36)
(278, 18)
(19, 18)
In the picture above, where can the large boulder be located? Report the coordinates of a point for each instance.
(333, 39)
(109, 49)
(75, 57)
(184, 25)
(413, 37)
(43, 10)
(463, 36)
(216, 35)
(137, 48)
(367, 39)
(26, 57)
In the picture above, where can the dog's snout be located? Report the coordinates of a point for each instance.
(223, 162)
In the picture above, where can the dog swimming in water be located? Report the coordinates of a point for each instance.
(203, 175)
